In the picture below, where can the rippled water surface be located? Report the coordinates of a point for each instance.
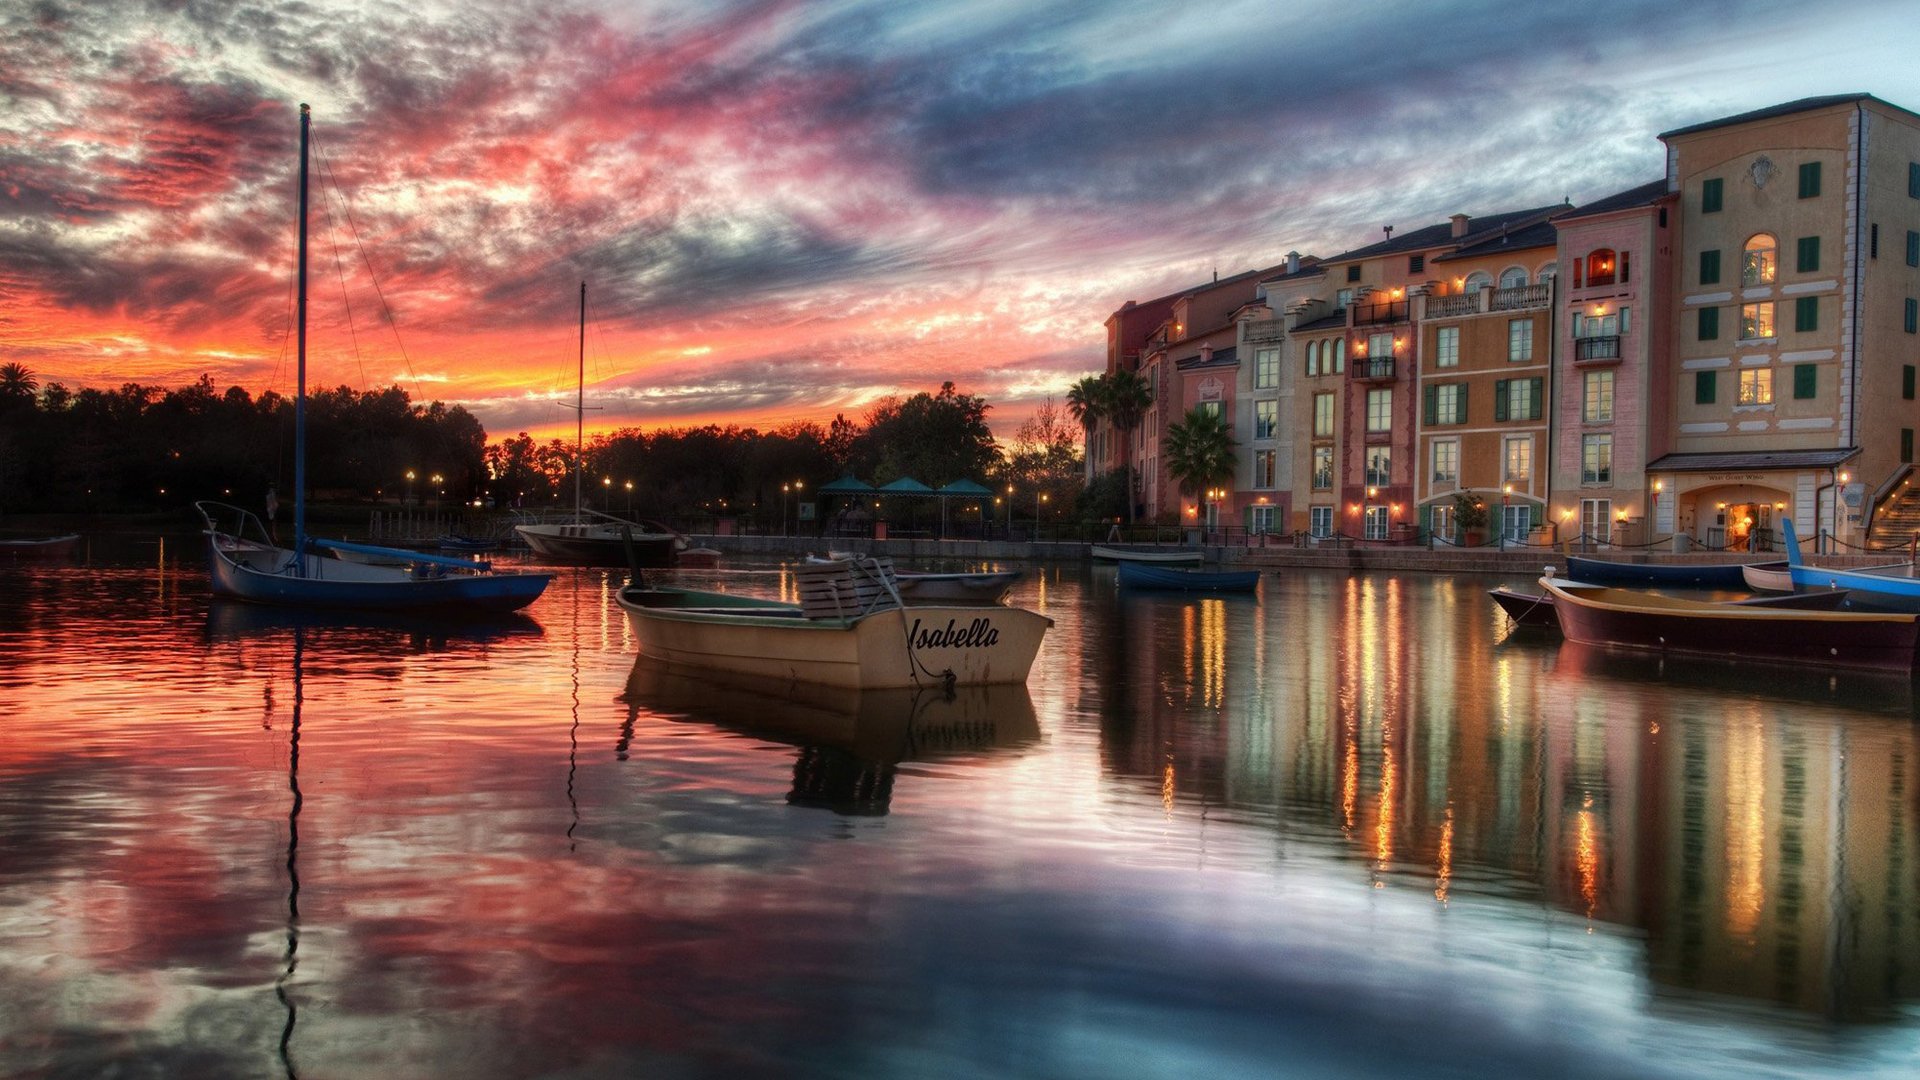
(1347, 827)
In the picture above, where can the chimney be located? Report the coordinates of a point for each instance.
(1388, 229)
(1206, 353)
(1293, 262)
(1459, 225)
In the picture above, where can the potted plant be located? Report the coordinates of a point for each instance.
(1470, 518)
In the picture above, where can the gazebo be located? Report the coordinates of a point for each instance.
(857, 492)
(965, 489)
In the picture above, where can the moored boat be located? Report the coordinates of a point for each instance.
(1537, 610)
(849, 629)
(1140, 575)
(1656, 575)
(39, 547)
(1768, 576)
(1895, 586)
(934, 587)
(1145, 555)
(1623, 618)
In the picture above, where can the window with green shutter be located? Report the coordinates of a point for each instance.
(1805, 380)
(1500, 398)
(1536, 396)
(1810, 180)
(1710, 267)
(1809, 254)
(1704, 383)
(1910, 316)
(1913, 248)
(1430, 405)
(1710, 196)
(1806, 314)
(1913, 179)
(1906, 446)
(1906, 381)
(1709, 323)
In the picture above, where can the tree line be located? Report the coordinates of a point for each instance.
(144, 448)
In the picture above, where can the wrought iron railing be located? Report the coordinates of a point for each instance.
(1369, 367)
(1391, 311)
(1589, 349)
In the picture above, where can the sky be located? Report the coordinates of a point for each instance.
(786, 210)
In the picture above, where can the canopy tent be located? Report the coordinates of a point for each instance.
(856, 491)
(964, 489)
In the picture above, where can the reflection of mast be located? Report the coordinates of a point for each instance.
(573, 733)
(293, 850)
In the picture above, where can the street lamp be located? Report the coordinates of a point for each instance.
(1038, 498)
(629, 498)
(1506, 492)
(1366, 512)
(409, 485)
(606, 484)
(1009, 511)
(437, 479)
(784, 489)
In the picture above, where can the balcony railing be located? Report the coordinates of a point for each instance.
(1266, 330)
(1392, 311)
(1441, 307)
(1523, 296)
(1596, 350)
(1368, 368)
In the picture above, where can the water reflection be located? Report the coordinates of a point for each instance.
(850, 742)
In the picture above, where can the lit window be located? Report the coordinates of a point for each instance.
(1519, 457)
(1266, 419)
(1263, 468)
(1380, 410)
(1446, 462)
(1758, 265)
(1379, 466)
(1449, 404)
(1756, 386)
(1596, 399)
(1596, 459)
(1322, 468)
(1600, 266)
(1520, 340)
(1323, 416)
(1756, 321)
(1266, 368)
(1380, 346)
(1446, 347)
(1320, 520)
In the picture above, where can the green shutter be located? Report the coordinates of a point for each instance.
(1810, 180)
(1538, 400)
(1460, 406)
(1805, 380)
(1430, 405)
(1911, 315)
(1703, 387)
(1806, 314)
(1906, 446)
(1906, 382)
(1913, 179)
(1710, 196)
(1500, 399)
(1913, 248)
(1809, 254)
(1709, 323)
(1710, 267)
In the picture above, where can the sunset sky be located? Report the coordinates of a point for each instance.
(786, 210)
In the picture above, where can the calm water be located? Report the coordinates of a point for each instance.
(1346, 828)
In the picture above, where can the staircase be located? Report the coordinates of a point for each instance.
(1897, 520)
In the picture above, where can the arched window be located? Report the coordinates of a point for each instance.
(1547, 273)
(1313, 358)
(1339, 354)
(1476, 281)
(1757, 265)
(1602, 267)
(1513, 277)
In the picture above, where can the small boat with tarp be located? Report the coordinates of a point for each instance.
(1145, 555)
(1139, 575)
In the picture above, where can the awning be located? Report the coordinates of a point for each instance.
(1756, 461)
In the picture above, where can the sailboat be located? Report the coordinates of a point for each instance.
(592, 538)
(247, 562)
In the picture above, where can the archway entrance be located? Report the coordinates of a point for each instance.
(1744, 518)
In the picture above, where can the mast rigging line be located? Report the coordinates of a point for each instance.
(346, 212)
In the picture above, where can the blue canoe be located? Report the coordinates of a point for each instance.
(1894, 586)
(1150, 576)
(1657, 575)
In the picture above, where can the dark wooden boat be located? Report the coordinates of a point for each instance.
(1526, 609)
(40, 547)
(1141, 575)
(1657, 575)
(1623, 618)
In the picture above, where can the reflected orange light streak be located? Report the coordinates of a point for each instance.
(1746, 826)
(1444, 881)
(1586, 856)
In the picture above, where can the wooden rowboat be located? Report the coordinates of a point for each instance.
(1768, 576)
(1623, 618)
(1150, 555)
(1138, 575)
(43, 547)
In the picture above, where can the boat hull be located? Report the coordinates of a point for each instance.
(49, 547)
(594, 546)
(1529, 611)
(1768, 577)
(1172, 555)
(253, 572)
(1619, 618)
(1656, 575)
(895, 647)
(1138, 575)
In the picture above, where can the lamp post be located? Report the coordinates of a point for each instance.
(606, 485)
(1506, 493)
(1833, 513)
(1366, 511)
(437, 480)
(410, 485)
(629, 498)
(1009, 511)
(1038, 498)
(1654, 526)
(784, 490)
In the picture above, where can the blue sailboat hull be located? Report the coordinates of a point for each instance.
(262, 576)
(1892, 587)
(1655, 575)
(1151, 576)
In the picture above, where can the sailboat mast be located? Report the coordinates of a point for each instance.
(300, 399)
(580, 408)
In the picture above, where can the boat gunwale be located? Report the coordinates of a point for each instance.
(1655, 604)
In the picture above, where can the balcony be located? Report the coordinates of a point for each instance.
(1523, 296)
(1372, 369)
(1597, 350)
(1392, 311)
(1442, 307)
(1263, 331)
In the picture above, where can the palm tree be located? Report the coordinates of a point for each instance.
(17, 383)
(1083, 403)
(1199, 453)
(1124, 403)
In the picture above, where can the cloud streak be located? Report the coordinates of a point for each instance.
(784, 208)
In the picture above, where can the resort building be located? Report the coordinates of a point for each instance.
(1798, 268)
(1610, 411)
(1262, 495)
